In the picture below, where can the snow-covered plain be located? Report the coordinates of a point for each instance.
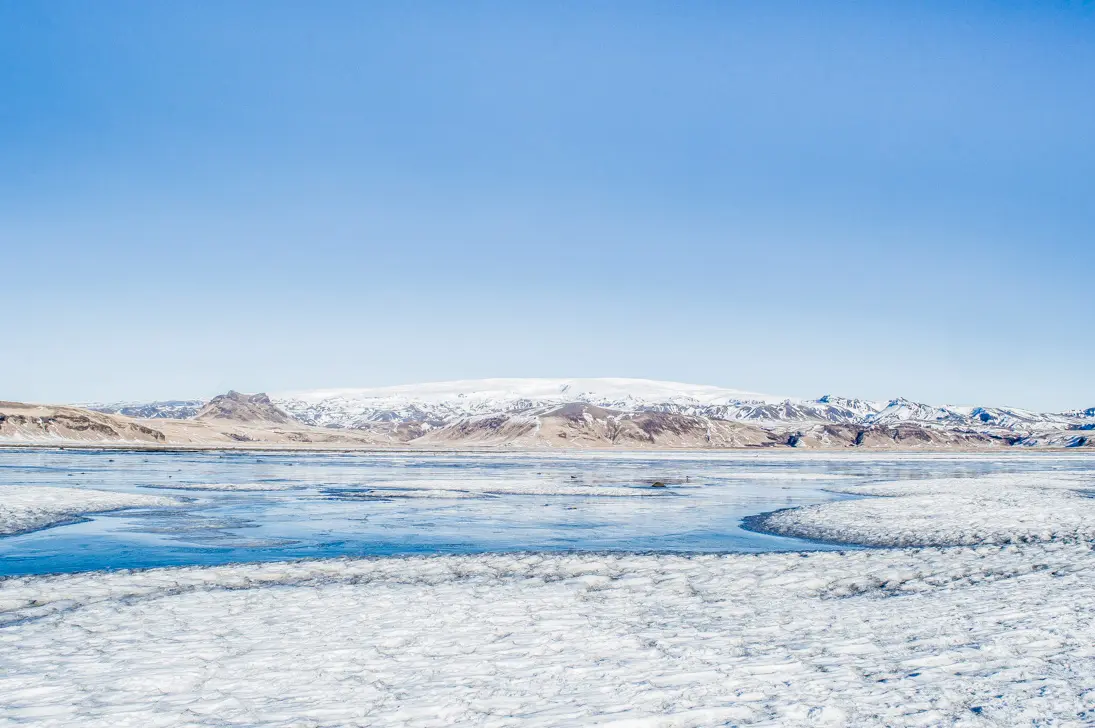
(30, 507)
(983, 635)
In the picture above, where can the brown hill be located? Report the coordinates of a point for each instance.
(243, 408)
(42, 423)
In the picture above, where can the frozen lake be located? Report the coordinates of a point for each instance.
(245, 507)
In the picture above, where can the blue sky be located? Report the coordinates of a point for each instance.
(867, 199)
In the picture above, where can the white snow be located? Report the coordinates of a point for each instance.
(909, 637)
(30, 507)
(901, 410)
(952, 511)
(988, 635)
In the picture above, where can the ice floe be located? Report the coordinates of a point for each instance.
(951, 511)
(30, 507)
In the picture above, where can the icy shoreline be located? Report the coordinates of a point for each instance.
(995, 633)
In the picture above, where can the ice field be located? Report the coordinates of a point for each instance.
(976, 608)
(237, 507)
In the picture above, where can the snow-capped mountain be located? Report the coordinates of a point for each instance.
(442, 404)
(1008, 418)
(903, 410)
(1017, 419)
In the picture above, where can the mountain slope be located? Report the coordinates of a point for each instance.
(32, 423)
(580, 425)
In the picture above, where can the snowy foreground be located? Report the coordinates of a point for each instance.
(30, 507)
(992, 634)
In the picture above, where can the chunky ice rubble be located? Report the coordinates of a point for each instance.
(951, 512)
(986, 635)
(30, 507)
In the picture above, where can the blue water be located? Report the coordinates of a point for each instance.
(341, 504)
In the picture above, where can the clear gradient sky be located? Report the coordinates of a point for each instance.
(870, 199)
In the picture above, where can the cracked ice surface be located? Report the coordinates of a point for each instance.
(30, 507)
(965, 636)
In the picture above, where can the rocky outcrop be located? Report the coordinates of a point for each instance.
(243, 408)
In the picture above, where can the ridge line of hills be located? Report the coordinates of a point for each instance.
(525, 413)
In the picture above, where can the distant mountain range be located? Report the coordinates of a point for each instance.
(612, 412)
